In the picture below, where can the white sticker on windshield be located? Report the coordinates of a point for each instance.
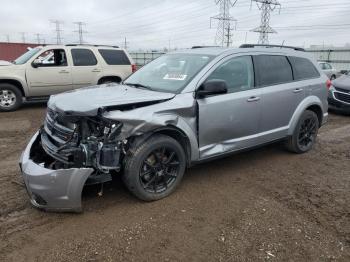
(180, 77)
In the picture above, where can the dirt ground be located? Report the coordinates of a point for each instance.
(266, 204)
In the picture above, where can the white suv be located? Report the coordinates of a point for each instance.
(52, 69)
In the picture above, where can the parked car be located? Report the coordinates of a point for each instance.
(208, 103)
(52, 69)
(329, 70)
(339, 94)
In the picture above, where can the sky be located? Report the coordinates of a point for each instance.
(159, 24)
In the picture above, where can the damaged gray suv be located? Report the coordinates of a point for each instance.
(182, 108)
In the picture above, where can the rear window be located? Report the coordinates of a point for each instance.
(303, 68)
(272, 70)
(114, 57)
(83, 57)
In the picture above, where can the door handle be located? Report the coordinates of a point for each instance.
(63, 72)
(253, 99)
(96, 70)
(297, 90)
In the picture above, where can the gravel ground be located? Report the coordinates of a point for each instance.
(262, 205)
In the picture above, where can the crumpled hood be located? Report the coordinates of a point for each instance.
(89, 100)
(342, 82)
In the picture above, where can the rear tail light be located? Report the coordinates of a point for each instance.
(329, 84)
(133, 68)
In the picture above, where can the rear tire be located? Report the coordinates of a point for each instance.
(10, 98)
(154, 169)
(333, 77)
(305, 133)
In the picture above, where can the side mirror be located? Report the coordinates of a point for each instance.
(36, 63)
(212, 87)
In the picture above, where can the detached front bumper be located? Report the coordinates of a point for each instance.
(49, 189)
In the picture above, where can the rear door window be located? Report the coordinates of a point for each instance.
(83, 57)
(114, 57)
(272, 70)
(303, 68)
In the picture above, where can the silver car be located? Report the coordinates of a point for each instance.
(179, 110)
(329, 70)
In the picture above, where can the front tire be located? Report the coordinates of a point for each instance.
(154, 169)
(10, 98)
(305, 133)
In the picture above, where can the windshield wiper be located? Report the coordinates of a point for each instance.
(138, 85)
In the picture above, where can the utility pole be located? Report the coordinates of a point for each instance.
(80, 31)
(23, 36)
(125, 43)
(266, 7)
(58, 30)
(223, 34)
(228, 36)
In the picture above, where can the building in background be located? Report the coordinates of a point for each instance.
(10, 51)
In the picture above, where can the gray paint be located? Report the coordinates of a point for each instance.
(226, 123)
(61, 188)
(87, 101)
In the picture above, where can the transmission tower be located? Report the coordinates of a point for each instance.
(80, 31)
(266, 7)
(58, 30)
(224, 28)
(38, 38)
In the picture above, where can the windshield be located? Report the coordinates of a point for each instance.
(169, 73)
(26, 56)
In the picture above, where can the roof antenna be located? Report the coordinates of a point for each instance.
(282, 44)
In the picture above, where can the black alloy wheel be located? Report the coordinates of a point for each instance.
(153, 169)
(307, 133)
(159, 170)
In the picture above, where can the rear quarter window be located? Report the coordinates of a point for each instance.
(272, 70)
(83, 57)
(114, 57)
(303, 68)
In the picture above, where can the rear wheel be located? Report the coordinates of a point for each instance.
(305, 133)
(10, 97)
(155, 168)
(333, 77)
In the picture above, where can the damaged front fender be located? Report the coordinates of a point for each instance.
(52, 189)
(179, 112)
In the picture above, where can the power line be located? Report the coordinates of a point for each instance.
(58, 30)
(224, 27)
(80, 31)
(266, 7)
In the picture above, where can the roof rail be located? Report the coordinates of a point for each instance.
(92, 45)
(269, 46)
(203, 46)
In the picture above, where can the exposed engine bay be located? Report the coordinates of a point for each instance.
(75, 142)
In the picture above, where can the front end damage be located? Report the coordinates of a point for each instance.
(84, 142)
(67, 153)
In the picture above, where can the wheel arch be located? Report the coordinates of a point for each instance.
(173, 132)
(106, 78)
(15, 83)
(312, 103)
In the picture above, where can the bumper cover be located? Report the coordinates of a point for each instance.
(52, 190)
(338, 105)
